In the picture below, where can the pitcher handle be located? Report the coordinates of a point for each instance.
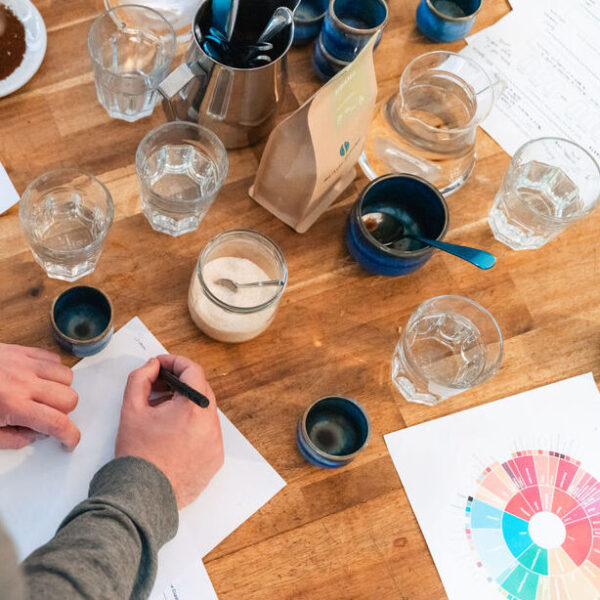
(221, 95)
(172, 85)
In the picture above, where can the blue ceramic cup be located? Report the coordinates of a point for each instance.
(308, 18)
(332, 431)
(325, 65)
(446, 20)
(417, 204)
(82, 320)
(350, 24)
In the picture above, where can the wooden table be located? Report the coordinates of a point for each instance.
(347, 534)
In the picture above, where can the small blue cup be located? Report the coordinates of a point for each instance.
(416, 203)
(332, 431)
(308, 18)
(350, 24)
(446, 20)
(325, 65)
(82, 320)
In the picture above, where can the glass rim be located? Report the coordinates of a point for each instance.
(262, 239)
(488, 371)
(550, 218)
(147, 9)
(25, 202)
(474, 120)
(223, 159)
(357, 30)
(446, 17)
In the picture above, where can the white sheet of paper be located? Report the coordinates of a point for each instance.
(445, 462)
(8, 194)
(548, 54)
(196, 585)
(40, 484)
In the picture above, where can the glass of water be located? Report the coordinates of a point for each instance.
(449, 345)
(65, 216)
(181, 167)
(551, 183)
(131, 48)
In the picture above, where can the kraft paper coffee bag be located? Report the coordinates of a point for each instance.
(310, 156)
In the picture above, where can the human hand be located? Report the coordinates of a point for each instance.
(183, 440)
(35, 397)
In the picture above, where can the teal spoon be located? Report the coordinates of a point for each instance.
(387, 230)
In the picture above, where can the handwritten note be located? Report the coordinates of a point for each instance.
(548, 54)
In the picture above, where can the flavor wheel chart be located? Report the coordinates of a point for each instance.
(534, 526)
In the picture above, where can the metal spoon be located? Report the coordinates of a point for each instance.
(280, 19)
(387, 229)
(234, 285)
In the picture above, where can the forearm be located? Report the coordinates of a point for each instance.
(107, 546)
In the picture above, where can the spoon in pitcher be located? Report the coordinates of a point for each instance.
(387, 229)
(234, 285)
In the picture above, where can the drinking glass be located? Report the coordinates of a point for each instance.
(449, 345)
(131, 48)
(550, 183)
(65, 216)
(181, 167)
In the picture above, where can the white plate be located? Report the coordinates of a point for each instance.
(35, 38)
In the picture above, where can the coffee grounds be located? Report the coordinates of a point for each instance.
(12, 42)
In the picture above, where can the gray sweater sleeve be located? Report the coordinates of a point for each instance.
(107, 547)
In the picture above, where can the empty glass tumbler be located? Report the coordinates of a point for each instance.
(65, 216)
(131, 48)
(181, 167)
(550, 183)
(449, 345)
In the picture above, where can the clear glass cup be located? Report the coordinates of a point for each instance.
(244, 256)
(131, 48)
(65, 216)
(550, 183)
(449, 345)
(428, 127)
(181, 167)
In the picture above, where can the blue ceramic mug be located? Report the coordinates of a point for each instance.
(350, 24)
(332, 431)
(446, 20)
(308, 18)
(416, 203)
(82, 320)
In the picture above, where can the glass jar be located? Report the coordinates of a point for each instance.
(237, 315)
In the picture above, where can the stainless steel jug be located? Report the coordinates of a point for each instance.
(239, 105)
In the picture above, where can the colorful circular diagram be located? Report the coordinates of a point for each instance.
(534, 526)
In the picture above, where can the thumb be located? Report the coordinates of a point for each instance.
(139, 384)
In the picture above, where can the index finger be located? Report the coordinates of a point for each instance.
(189, 372)
(45, 419)
(41, 354)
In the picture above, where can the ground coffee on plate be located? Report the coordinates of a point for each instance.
(12, 42)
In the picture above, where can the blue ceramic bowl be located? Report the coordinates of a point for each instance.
(421, 208)
(332, 432)
(350, 24)
(325, 65)
(81, 320)
(446, 20)
(308, 18)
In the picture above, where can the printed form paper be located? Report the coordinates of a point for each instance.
(8, 194)
(507, 494)
(40, 484)
(548, 53)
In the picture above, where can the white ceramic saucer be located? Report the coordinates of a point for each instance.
(35, 38)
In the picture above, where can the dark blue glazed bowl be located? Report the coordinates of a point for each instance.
(325, 65)
(421, 208)
(308, 18)
(81, 320)
(350, 24)
(332, 432)
(446, 20)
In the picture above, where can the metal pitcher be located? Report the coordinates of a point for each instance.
(239, 105)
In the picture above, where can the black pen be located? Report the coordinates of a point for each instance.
(182, 388)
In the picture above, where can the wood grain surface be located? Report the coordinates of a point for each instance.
(341, 535)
